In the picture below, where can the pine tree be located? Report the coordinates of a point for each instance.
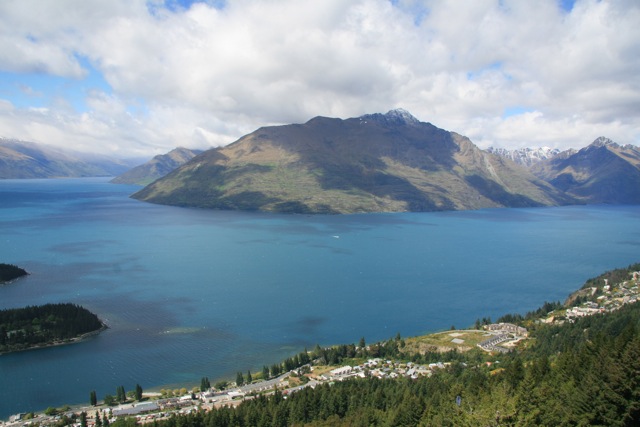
(138, 392)
(239, 379)
(249, 378)
(98, 419)
(121, 395)
(93, 399)
(275, 370)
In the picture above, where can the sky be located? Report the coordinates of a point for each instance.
(136, 78)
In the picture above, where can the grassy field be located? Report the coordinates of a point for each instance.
(462, 340)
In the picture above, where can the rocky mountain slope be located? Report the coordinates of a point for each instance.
(157, 167)
(21, 159)
(526, 156)
(374, 163)
(603, 172)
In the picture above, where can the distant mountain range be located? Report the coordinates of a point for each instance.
(375, 163)
(21, 159)
(526, 156)
(603, 172)
(157, 167)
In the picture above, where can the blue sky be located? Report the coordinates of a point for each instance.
(140, 77)
(39, 90)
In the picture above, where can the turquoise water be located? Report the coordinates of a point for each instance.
(190, 293)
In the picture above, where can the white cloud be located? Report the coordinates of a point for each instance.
(207, 76)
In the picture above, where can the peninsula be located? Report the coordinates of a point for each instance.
(9, 272)
(46, 325)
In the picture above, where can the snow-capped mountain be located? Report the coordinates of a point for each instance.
(399, 116)
(526, 156)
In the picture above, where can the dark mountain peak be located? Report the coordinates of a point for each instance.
(396, 117)
(159, 166)
(179, 154)
(603, 142)
(401, 114)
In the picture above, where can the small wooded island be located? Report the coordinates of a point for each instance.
(45, 325)
(9, 272)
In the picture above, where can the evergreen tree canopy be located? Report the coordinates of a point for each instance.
(32, 326)
(10, 272)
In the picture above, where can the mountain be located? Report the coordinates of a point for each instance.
(603, 172)
(22, 159)
(157, 167)
(526, 156)
(375, 163)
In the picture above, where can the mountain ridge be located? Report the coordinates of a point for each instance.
(602, 172)
(373, 163)
(157, 167)
(526, 156)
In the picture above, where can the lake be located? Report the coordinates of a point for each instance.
(189, 293)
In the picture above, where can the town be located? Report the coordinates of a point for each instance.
(609, 297)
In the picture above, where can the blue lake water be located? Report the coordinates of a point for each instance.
(189, 293)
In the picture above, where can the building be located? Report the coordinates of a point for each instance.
(135, 409)
(508, 328)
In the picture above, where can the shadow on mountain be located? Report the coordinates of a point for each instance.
(494, 192)
(355, 164)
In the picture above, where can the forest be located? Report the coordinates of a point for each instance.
(34, 326)
(10, 272)
(581, 373)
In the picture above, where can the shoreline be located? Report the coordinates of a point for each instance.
(88, 335)
(15, 279)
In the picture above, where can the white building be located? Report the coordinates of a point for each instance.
(338, 372)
